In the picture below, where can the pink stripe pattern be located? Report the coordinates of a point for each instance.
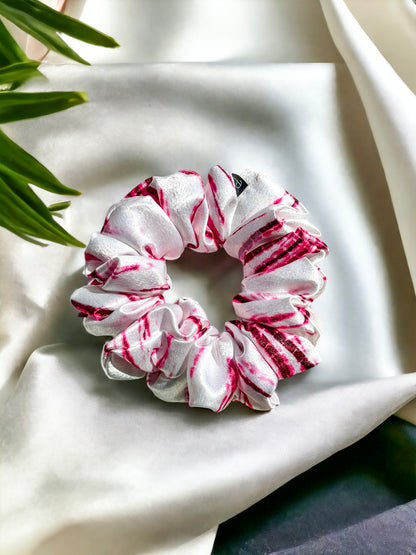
(172, 344)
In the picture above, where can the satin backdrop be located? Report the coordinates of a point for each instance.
(90, 465)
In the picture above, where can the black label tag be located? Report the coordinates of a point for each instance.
(239, 183)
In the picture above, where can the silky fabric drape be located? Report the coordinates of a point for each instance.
(94, 466)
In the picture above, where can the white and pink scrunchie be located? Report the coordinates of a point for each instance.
(184, 357)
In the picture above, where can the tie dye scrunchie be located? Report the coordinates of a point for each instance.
(184, 357)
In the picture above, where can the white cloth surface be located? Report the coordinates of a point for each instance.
(386, 85)
(94, 466)
(200, 31)
(391, 109)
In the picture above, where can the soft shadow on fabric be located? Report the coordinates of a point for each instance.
(376, 203)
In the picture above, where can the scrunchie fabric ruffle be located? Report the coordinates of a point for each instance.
(173, 345)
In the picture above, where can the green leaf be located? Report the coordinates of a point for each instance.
(18, 72)
(11, 54)
(25, 237)
(23, 223)
(61, 22)
(16, 106)
(39, 31)
(24, 212)
(10, 51)
(7, 223)
(59, 206)
(16, 161)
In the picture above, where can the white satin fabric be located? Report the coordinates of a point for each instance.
(91, 465)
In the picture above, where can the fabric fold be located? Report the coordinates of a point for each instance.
(391, 110)
(128, 468)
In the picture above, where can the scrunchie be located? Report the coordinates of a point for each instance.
(184, 357)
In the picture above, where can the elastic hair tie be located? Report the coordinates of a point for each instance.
(183, 357)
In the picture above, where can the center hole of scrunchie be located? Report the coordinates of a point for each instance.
(211, 279)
